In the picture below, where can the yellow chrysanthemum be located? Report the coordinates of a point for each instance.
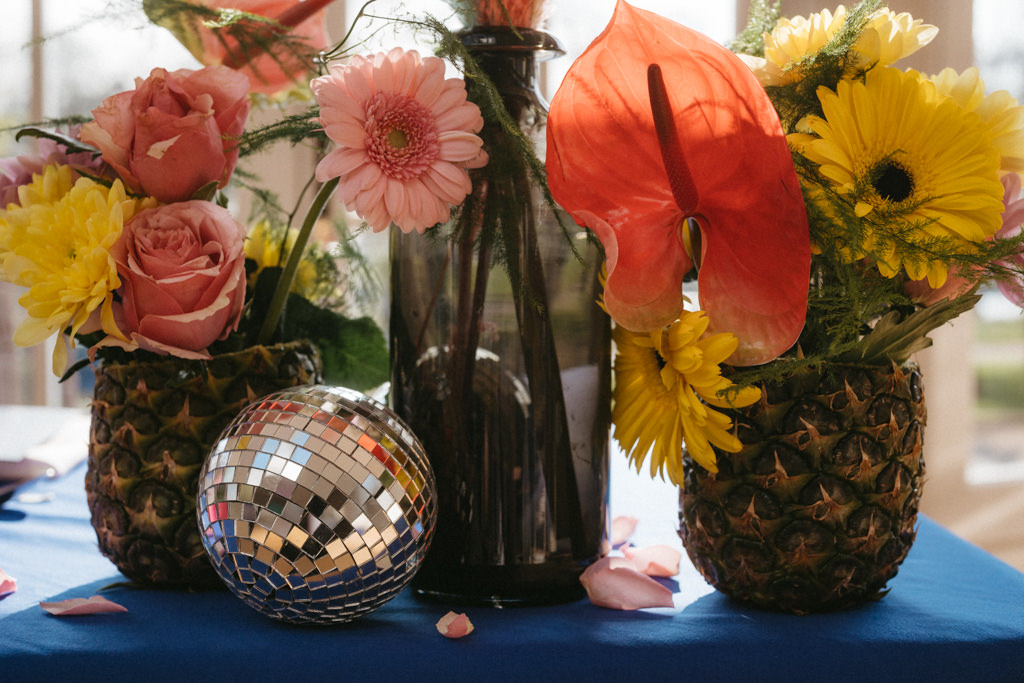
(263, 245)
(666, 383)
(913, 158)
(999, 110)
(45, 188)
(57, 245)
(887, 38)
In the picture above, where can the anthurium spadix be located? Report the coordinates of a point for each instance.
(665, 145)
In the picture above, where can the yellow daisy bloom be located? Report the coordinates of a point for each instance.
(999, 110)
(57, 245)
(666, 383)
(887, 38)
(914, 159)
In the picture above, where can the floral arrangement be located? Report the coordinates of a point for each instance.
(119, 230)
(830, 206)
(813, 235)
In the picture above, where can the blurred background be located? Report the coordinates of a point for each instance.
(62, 57)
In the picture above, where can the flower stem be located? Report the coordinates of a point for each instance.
(287, 277)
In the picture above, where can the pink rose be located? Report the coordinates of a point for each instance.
(174, 133)
(182, 269)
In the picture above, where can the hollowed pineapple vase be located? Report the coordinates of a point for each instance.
(153, 424)
(818, 509)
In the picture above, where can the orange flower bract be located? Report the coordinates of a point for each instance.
(605, 166)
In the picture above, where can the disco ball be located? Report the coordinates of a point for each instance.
(316, 505)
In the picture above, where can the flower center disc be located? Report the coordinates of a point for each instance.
(401, 135)
(892, 182)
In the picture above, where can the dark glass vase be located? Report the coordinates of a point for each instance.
(500, 364)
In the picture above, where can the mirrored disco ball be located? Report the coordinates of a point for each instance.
(317, 505)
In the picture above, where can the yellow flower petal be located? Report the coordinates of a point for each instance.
(57, 245)
(910, 160)
(667, 384)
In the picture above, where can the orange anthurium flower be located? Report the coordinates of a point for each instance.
(664, 144)
(268, 73)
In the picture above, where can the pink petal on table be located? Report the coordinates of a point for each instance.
(76, 606)
(8, 584)
(615, 583)
(622, 528)
(454, 625)
(654, 560)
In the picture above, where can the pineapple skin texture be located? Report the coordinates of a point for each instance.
(153, 424)
(819, 508)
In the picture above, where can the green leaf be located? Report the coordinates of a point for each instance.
(354, 351)
(762, 18)
(207, 192)
(73, 369)
(895, 339)
(67, 141)
(180, 18)
(262, 293)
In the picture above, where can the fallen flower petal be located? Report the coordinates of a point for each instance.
(454, 625)
(614, 582)
(622, 528)
(8, 584)
(654, 560)
(77, 606)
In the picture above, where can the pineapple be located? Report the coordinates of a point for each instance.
(818, 509)
(153, 424)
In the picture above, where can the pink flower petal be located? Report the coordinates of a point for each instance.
(622, 528)
(613, 582)
(454, 625)
(8, 584)
(77, 606)
(654, 560)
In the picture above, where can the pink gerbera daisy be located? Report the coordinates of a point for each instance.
(405, 136)
(1013, 224)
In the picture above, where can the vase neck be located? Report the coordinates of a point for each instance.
(510, 57)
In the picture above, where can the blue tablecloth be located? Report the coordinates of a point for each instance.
(955, 613)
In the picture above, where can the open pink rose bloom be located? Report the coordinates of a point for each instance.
(176, 132)
(656, 125)
(182, 268)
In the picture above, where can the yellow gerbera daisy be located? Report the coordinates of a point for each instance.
(665, 384)
(57, 245)
(887, 38)
(999, 110)
(914, 159)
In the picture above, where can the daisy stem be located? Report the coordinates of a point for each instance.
(284, 283)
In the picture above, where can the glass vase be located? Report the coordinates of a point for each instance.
(501, 366)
